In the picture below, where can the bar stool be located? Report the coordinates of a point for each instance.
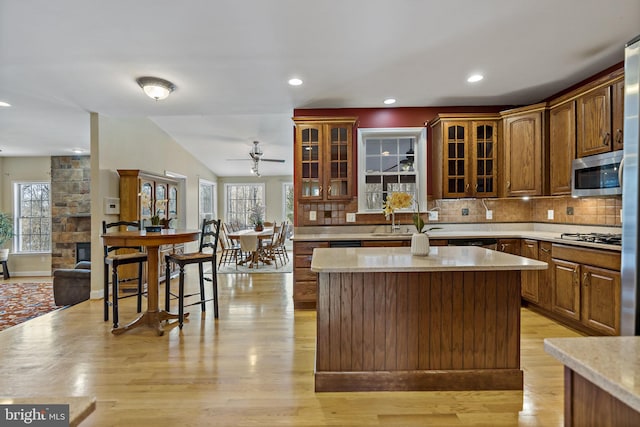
(208, 239)
(114, 260)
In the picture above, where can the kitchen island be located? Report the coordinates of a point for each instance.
(391, 321)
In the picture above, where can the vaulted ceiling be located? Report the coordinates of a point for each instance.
(231, 60)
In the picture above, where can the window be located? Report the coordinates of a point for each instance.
(207, 200)
(239, 199)
(32, 217)
(287, 201)
(391, 160)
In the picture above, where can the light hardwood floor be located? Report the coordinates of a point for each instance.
(253, 366)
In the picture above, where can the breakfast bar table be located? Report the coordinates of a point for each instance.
(152, 242)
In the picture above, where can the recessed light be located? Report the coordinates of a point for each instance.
(389, 101)
(475, 78)
(4, 104)
(295, 82)
(77, 150)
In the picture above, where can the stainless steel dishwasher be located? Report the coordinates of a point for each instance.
(488, 243)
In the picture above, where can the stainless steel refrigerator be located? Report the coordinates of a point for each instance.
(630, 298)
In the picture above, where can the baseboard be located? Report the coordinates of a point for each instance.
(31, 273)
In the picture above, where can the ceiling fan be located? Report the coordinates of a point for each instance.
(255, 155)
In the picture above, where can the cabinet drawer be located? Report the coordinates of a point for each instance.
(302, 261)
(385, 243)
(306, 248)
(304, 274)
(305, 291)
(595, 257)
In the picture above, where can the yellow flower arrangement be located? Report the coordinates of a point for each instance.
(395, 201)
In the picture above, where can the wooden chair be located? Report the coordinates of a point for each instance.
(208, 240)
(134, 255)
(230, 250)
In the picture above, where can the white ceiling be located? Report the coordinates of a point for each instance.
(231, 59)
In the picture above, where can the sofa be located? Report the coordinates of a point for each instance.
(72, 285)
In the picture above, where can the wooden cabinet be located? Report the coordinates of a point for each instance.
(304, 280)
(600, 114)
(526, 153)
(510, 246)
(465, 155)
(143, 195)
(562, 146)
(586, 287)
(544, 276)
(530, 280)
(385, 243)
(323, 157)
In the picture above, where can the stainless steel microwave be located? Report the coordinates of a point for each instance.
(598, 175)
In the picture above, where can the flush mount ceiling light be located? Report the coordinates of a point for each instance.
(4, 104)
(295, 82)
(155, 87)
(475, 78)
(389, 101)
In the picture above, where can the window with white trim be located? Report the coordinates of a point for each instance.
(32, 217)
(391, 160)
(239, 200)
(287, 201)
(207, 200)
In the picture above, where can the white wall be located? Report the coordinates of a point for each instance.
(13, 169)
(273, 196)
(137, 143)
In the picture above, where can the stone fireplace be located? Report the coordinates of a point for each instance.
(70, 208)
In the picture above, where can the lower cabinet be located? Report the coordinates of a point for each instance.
(586, 287)
(530, 279)
(304, 280)
(510, 246)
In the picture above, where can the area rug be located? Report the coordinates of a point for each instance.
(231, 269)
(20, 302)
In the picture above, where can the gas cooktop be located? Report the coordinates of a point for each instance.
(609, 239)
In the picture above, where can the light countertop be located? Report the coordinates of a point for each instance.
(611, 363)
(451, 234)
(440, 258)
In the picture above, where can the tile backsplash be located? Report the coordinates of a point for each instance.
(566, 210)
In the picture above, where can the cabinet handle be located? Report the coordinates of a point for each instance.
(605, 140)
(329, 190)
(585, 279)
(545, 250)
(466, 188)
(508, 184)
(502, 247)
(476, 187)
(618, 136)
(320, 190)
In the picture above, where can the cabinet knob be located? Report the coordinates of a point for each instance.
(585, 279)
(329, 190)
(605, 140)
(618, 136)
(466, 188)
(508, 184)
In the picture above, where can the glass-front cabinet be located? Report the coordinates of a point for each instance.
(323, 148)
(465, 155)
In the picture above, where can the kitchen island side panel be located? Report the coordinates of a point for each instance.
(371, 326)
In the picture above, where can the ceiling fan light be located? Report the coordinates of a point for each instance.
(156, 88)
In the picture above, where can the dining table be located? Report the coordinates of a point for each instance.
(152, 241)
(251, 243)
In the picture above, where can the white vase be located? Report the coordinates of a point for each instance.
(419, 244)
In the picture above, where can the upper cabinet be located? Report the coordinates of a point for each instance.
(562, 146)
(323, 157)
(465, 155)
(599, 119)
(526, 152)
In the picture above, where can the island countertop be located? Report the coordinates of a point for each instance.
(399, 259)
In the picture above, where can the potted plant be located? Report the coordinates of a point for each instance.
(256, 217)
(6, 233)
(420, 239)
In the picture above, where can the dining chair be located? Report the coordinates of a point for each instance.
(114, 257)
(230, 251)
(277, 251)
(208, 243)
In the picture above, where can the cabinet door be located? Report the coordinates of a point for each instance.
(510, 246)
(601, 299)
(566, 289)
(456, 159)
(309, 161)
(562, 146)
(594, 122)
(617, 122)
(530, 279)
(545, 276)
(338, 145)
(484, 155)
(523, 154)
